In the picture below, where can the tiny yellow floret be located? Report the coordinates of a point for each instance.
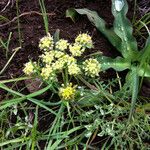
(85, 40)
(46, 43)
(68, 59)
(62, 44)
(91, 67)
(71, 60)
(47, 72)
(76, 49)
(58, 65)
(68, 92)
(48, 57)
(29, 68)
(73, 69)
(59, 54)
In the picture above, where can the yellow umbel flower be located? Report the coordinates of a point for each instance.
(58, 54)
(29, 68)
(68, 92)
(58, 65)
(62, 44)
(91, 67)
(66, 59)
(48, 57)
(76, 49)
(46, 43)
(70, 60)
(47, 72)
(85, 40)
(73, 69)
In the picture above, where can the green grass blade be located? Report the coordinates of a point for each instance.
(2, 18)
(34, 130)
(135, 89)
(17, 140)
(8, 103)
(56, 144)
(10, 59)
(14, 80)
(29, 96)
(145, 53)
(44, 14)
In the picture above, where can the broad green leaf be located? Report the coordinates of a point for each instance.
(101, 26)
(123, 29)
(118, 63)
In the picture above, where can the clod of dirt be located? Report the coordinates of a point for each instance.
(34, 85)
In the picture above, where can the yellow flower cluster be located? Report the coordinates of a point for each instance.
(47, 72)
(73, 69)
(59, 54)
(76, 49)
(91, 67)
(68, 92)
(58, 65)
(29, 68)
(69, 59)
(46, 43)
(62, 44)
(85, 40)
(48, 57)
(62, 55)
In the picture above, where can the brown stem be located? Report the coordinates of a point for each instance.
(24, 14)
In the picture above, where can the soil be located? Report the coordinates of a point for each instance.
(32, 29)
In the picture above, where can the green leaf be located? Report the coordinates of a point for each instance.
(118, 63)
(56, 35)
(89, 100)
(101, 26)
(134, 80)
(144, 70)
(145, 53)
(71, 13)
(123, 28)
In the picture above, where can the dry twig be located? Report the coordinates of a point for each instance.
(24, 14)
